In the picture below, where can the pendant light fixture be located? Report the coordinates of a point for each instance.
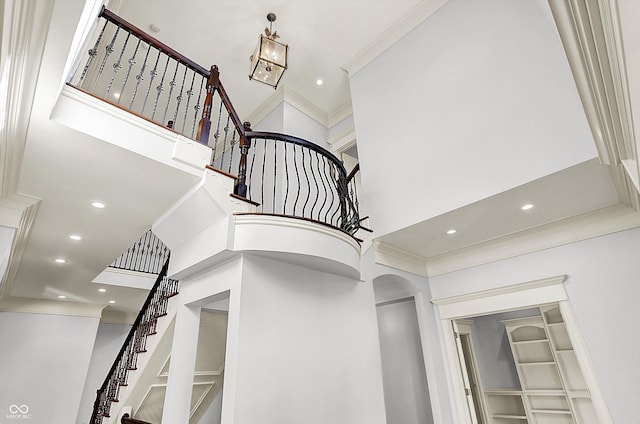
(269, 61)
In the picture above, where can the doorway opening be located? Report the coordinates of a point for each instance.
(516, 356)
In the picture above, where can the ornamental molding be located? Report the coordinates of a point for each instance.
(592, 40)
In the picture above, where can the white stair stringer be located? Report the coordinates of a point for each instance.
(158, 349)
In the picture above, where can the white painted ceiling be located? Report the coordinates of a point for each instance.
(322, 37)
(68, 170)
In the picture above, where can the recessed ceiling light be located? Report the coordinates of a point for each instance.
(60, 261)
(98, 204)
(62, 297)
(75, 237)
(102, 290)
(451, 231)
(112, 301)
(319, 82)
(116, 95)
(527, 207)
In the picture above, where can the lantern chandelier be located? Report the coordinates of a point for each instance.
(269, 61)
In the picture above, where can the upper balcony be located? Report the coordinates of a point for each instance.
(132, 90)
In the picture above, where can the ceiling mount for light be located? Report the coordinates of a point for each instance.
(269, 61)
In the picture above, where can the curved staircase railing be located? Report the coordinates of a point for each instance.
(145, 324)
(289, 176)
(282, 174)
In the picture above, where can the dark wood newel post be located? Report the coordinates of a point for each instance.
(204, 126)
(245, 144)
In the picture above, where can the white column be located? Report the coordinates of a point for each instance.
(177, 401)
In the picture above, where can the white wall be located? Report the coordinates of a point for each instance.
(273, 122)
(406, 391)
(392, 284)
(341, 126)
(493, 352)
(287, 119)
(476, 100)
(109, 340)
(603, 290)
(44, 361)
(300, 125)
(307, 348)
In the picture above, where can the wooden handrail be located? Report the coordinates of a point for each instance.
(126, 419)
(300, 142)
(237, 122)
(112, 17)
(353, 172)
(130, 337)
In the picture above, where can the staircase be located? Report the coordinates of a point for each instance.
(145, 325)
(277, 174)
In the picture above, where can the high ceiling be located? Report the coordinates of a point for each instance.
(323, 36)
(68, 170)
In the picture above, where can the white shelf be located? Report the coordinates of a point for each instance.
(551, 411)
(553, 388)
(510, 417)
(523, 342)
(579, 394)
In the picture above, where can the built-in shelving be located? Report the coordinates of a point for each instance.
(506, 407)
(554, 390)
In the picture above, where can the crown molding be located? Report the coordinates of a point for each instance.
(51, 307)
(23, 30)
(26, 208)
(343, 141)
(392, 34)
(395, 257)
(581, 227)
(624, 177)
(340, 113)
(503, 298)
(499, 291)
(305, 106)
(590, 34)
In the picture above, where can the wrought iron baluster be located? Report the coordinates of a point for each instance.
(117, 65)
(224, 141)
(324, 186)
(144, 252)
(186, 107)
(140, 77)
(275, 173)
(179, 99)
(295, 164)
(196, 108)
(250, 177)
(330, 190)
(108, 51)
(153, 73)
(306, 176)
(160, 89)
(264, 160)
(216, 135)
(172, 84)
(354, 198)
(315, 181)
(231, 144)
(286, 176)
(92, 54)
(335, 218)
(131, 61)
